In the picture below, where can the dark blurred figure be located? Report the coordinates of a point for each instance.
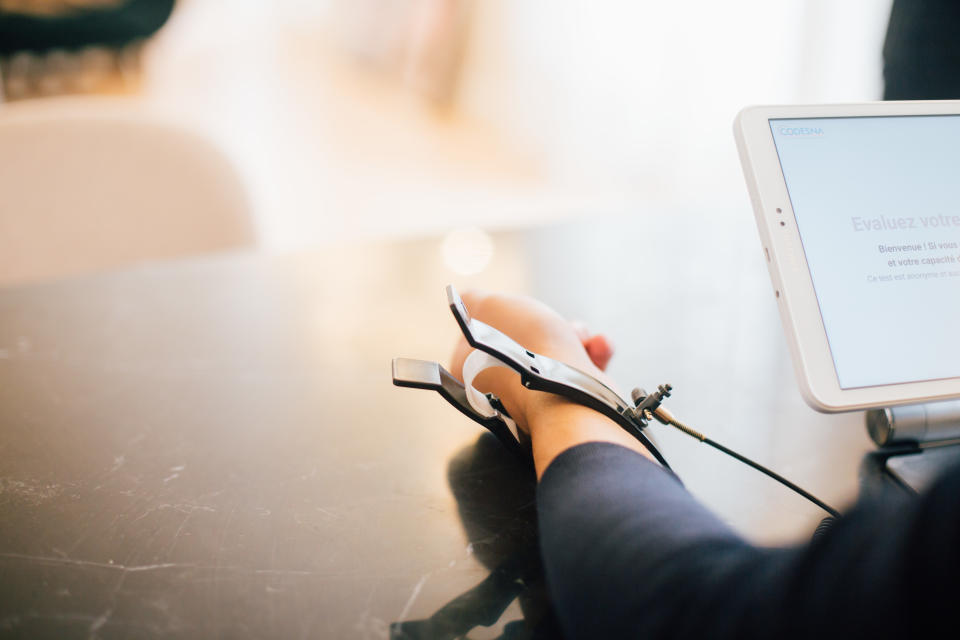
(40, 26)
(921, 54)
(55, 47)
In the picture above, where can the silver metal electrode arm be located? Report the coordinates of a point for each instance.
(422, 374)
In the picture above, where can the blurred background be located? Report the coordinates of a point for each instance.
(372, 116)
(346, 119)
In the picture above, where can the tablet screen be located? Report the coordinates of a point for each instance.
(876, 205)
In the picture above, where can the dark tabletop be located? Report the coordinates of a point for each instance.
(213, 447)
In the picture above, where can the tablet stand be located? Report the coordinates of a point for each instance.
(916, 442)
(915, 423)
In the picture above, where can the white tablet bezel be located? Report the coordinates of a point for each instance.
(783, 250)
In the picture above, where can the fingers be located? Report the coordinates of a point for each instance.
(598, 346)
(600, 350)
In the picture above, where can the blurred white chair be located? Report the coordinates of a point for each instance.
(88, 184)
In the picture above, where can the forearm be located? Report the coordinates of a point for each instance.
(628, 552)
(626, 547)
(556, 425)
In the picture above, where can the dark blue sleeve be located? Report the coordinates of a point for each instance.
(630, 553)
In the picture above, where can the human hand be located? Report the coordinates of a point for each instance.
(542, 330)
(553, 422)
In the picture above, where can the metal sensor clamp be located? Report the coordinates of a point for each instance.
(537, 372)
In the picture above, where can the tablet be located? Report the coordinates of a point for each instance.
(858, 208)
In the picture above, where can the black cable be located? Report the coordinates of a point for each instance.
(759, 467)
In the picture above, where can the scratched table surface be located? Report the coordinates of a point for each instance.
(213, 447)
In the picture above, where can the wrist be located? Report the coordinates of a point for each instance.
(545, 410)
(556, 424)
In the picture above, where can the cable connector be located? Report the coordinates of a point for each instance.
(647, 406)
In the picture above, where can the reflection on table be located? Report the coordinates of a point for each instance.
(213, 447)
